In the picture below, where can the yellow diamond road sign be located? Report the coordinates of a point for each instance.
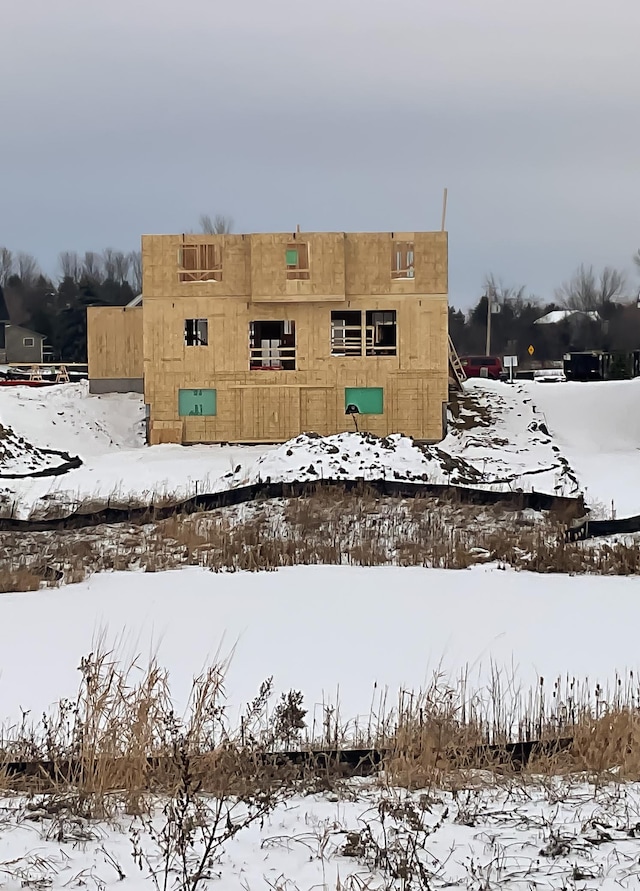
(531, 350)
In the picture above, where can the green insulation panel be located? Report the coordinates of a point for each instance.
(369, 400)
(197, 402)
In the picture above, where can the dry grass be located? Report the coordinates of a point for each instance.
(122, 739)
(327, 528)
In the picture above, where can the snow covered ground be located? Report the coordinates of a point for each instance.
(597, 426)
(555, 438)
(362, 837)
(496, 440)
(107, 433)
(335, 633)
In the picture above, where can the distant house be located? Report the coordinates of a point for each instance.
(562, 315)
(22, 345)
(18, 344)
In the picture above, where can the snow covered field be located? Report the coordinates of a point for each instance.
(544, 837)
(345, 636)
(335, 633)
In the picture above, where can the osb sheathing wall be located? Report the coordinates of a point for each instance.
(114, 342)
(348, 271)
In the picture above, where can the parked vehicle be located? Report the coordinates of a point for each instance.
(598, 365)
(549, 375)
(483, 366)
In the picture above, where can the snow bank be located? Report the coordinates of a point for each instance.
(66, 417)
(597, 427)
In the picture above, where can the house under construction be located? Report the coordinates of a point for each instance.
(257, 338)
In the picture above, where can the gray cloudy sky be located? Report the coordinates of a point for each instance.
(129, 116)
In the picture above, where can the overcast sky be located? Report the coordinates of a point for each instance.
(121, 117)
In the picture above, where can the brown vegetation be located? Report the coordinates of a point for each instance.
(326, 528)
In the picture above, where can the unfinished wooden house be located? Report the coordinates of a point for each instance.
(257, 338)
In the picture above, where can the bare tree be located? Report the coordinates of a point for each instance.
(135, 260)
(6, 266)
(219, 225)
(636, 258)
(587, 292)
(109, 264)
(123, 265)
(92, 267)
(70, 265)
(501, 293)
(27, 268)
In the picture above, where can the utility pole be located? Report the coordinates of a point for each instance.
(488, 352)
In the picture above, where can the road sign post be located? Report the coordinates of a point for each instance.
(510, 362)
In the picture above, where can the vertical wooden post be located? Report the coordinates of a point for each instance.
(488, 352)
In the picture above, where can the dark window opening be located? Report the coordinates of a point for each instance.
(196, 332)
(200, 263)
(297, 261)
(402, 264)
(272, 346)
(381, 333)
(346, 333)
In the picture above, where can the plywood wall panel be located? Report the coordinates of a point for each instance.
(115, 342)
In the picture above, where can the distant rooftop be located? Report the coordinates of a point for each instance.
(559, 315)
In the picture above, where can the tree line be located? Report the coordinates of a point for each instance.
(57, 307)
(598, 310)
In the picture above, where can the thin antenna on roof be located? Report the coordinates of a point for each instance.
(298, 228)
(444, 209)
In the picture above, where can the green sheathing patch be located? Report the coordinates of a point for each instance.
(197, 402)
(369, 400)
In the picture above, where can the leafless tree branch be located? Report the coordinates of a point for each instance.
(219, 225)
(587, 292)
(27, 268)
(6, 265)
(70, 265)
(135, 261)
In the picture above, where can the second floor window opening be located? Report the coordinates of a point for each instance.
(297, 261)
(402, 260)
(200, 263)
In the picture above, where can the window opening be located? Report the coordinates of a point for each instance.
(346, 333)
(200, 263)
(196, 332)
(272, 346)
(28, 341)
(381, 333)
(297, 262)
(402, 263)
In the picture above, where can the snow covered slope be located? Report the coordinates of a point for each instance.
(597, 426)
(67, 418)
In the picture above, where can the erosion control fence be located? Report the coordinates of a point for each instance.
(108, 514)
